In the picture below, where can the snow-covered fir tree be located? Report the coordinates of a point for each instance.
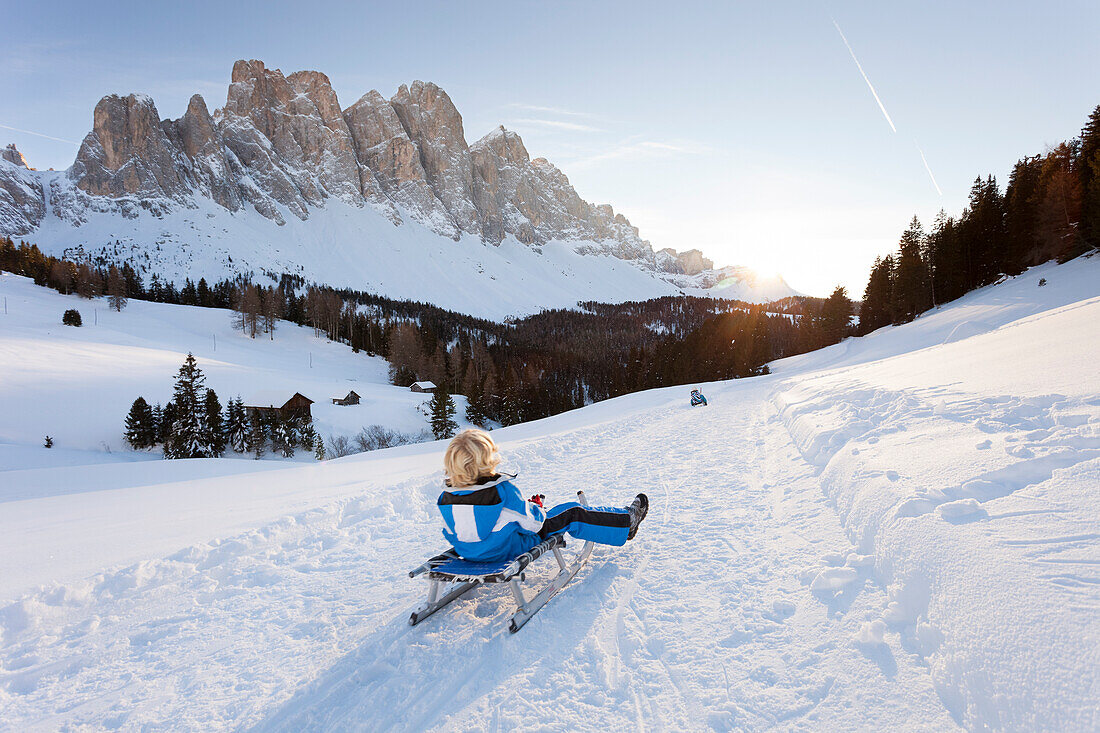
(236, 426)
(189, 436)
(282, 437)
(309, 440)
(257, 436)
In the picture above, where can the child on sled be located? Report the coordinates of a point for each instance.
(488, 519)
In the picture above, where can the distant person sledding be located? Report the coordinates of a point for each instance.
(697, 398)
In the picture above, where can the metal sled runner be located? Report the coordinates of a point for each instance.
(451, 577)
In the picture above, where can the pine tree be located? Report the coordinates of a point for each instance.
(874, 313)
(237, 428)
(836, 315)
(116, 289)
(88, 282)
(140, 429)
(1060, 204)
(404, 354)
(442, 409)
(511, 404)
(1090, 180)
(158, 420)
(282, 437)
(257, 435)
(809, 328)
(270, 310)
(190, 435)
(310, 440)
(983, 234)
(215, 428)
(475, 400)
(1022, 214)
(909, 292)
(167, 420)
(760, 346)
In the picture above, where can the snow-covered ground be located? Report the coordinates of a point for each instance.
(898, 532)
(77, 384)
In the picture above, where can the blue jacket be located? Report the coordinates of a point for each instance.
(490, 521)
(698, 399)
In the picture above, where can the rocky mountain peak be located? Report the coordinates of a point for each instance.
(433, 123)
(127, 153)
(12, 155)
(507, 145)
(690, 262)
(283, 144)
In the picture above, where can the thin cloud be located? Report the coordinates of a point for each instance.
(550, 110)
(652, 145)
(638, 150)
(555, 124)
(39, 134)
(864, 74)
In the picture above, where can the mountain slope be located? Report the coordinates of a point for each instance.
(896, 532)
(216, 194)
(77, 384)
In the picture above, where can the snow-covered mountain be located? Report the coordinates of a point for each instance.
(281, 179)
(898, 532)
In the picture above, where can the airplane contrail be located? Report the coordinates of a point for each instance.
(928, 168)
(861, 71)
(39, 134)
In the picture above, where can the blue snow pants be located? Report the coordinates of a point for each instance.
(603, 524)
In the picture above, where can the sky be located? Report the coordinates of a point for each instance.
(796, 138)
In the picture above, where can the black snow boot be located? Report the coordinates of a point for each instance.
(638, 509)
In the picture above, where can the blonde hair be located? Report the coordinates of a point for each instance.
(471, 455)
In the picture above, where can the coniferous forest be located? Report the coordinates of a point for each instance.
(1049, 210)
(523, 369)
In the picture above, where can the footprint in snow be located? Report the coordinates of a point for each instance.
(834, 580)
(781, 611)
(961, 511)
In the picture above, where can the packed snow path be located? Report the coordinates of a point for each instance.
(899, 532)
(702, 622)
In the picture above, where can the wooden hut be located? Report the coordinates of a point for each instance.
(268, 403)
(422, 387)
(351, 399)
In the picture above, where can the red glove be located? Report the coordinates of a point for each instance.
(537, 499)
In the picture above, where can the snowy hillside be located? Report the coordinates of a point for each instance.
(77, 384)
(898, 532)
(344, 246)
